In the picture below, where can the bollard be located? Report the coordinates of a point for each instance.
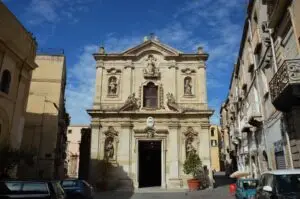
(232, 189)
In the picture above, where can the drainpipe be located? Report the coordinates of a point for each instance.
(270, 32)
(40, 141)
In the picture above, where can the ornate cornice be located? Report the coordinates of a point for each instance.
(205, 126)
(46, 80)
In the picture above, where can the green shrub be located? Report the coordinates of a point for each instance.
(192, 165)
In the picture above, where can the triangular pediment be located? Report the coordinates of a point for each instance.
(152, 46)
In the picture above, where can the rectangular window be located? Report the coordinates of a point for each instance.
(212, 132)
(69, 131)
(213, 143)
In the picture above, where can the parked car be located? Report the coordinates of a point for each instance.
(246, 188)
(31, 189)
(77, 189)
(279, 184)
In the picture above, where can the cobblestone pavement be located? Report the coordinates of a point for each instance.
(220, 192)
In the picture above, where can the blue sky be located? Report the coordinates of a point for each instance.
(81, 26)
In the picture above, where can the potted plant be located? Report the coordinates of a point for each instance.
(192, 165)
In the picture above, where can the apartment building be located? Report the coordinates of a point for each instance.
(262, 102)
(46, 117)
(73, 149)
(17, 55)
(215, 147)
(228, 152)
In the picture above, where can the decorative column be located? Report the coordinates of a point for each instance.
(125, 155)
(99, 79)
(173, 68)
(205, 144)
(128, 72)
(201, 75)
(95, 152)
(173, 160)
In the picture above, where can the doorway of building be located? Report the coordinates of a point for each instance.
(149, 163)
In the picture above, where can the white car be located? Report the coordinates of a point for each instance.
(279, 184)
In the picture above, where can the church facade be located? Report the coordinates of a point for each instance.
(150, 110)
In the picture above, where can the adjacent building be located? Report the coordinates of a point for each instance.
(46, 118)
(261, 111)
(215, 147)
(17, 55)
(73, 149)
(150, 111)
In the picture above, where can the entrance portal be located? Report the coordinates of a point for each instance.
(149, 163)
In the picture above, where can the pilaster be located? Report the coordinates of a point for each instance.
(128, 72)
(173, 69)
(174, 178)
(99, 79)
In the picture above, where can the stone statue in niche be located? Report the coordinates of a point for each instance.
(187, 86)
(151, 70)
(110, 143)
(109, 148)
(190, 149)
(190, 135)
(131, 104)
(112, 86)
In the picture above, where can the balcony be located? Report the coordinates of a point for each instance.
(285, 85)
(254, 115)
(245, 126)
(276, 9)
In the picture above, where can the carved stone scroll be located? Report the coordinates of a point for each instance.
(131, 104)
(172, 103)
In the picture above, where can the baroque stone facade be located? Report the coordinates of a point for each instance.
(148, 99)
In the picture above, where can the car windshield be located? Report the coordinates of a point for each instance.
(251, 184)
(288, 183)
(23, 187)
(70, 183)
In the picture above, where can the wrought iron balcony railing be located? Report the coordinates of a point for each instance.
(285, 85)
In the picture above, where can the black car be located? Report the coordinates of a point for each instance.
(279, 184)
(31, 189)
(77, 189)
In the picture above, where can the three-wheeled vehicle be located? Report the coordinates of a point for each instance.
(246, 188)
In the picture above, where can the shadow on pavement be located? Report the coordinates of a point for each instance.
(222, 180)
(111, 180)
